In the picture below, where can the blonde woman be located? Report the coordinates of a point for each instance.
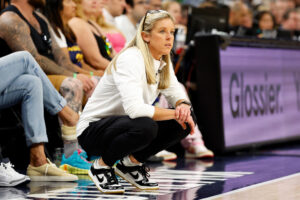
(120, 123)
(90, 37)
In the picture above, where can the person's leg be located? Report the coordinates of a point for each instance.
(169, 133)
(71, 89)
(116, 137)
(16, 64)
(27, 90)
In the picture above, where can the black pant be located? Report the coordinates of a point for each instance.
(118, 136)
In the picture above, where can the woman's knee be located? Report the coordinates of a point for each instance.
(147, 126)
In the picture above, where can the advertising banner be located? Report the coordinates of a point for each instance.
(260, 94)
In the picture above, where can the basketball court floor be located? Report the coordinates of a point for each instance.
(266, 174)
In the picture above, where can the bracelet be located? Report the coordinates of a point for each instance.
(185, 102)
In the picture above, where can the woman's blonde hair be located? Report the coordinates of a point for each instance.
(146, 25)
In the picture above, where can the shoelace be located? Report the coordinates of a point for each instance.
(112, 179)
(144, 171)
(9, 168)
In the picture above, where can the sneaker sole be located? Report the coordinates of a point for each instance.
(103, 190)
(74, 170)
(204, 155)
(119, 173)
(14, 183)
(53, 178)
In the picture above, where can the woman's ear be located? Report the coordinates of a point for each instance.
(146, 37)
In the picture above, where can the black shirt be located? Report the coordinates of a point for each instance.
(41, 41)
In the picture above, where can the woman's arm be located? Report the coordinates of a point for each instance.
(161, 114)
(88, 44)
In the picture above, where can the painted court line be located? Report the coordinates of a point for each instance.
(252, 186)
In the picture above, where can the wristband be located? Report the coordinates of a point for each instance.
(74, 75)
(185, 102)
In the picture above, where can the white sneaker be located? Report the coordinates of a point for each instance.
(9, 177)
(166, 155)
(198, 151)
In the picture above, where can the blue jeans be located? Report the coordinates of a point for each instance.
(23, 81)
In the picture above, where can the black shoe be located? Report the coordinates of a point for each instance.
(136, 175)
(105, 180)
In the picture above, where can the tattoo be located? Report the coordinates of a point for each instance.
(16, 34)
(71, 90)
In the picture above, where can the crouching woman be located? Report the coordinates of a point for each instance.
(119, 121)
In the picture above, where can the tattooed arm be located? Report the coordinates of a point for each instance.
(16, 33)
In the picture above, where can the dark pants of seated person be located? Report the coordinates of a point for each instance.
(118, 136)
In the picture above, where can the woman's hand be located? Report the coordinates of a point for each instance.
(182, 112)
(183, 116)
(190, 122)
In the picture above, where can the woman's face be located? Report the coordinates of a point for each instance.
(161, 37)
(92, 7)
(69, 10)
(266, 22)
(175, 10)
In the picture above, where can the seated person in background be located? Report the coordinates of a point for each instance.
(120, 123)
(95, 47)
(278, 8)
(59, 12)
(21, 28)
(265, 25)
(240, 19)
(128, 23)
(289, 20)
(23, 81)
(154, 5)
(288, 25)
(112, 9)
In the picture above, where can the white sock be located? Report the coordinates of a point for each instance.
(128, 162)
(97, 166)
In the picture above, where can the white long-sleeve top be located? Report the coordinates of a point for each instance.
(126, 92)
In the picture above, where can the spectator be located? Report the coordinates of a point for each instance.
(154, 4)
(113, 8)
(289, 20)
(125, 126)
(239, 14)
(135, 10)
(59, 12)
(240, 20)
(265, 25)
(18, 33)
(22, 81)
(90, 36)
(278, 8)
(33, 35)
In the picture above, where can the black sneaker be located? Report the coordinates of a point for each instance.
(105, 180)
(136, 175)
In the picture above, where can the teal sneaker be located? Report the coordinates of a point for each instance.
(76, 163)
